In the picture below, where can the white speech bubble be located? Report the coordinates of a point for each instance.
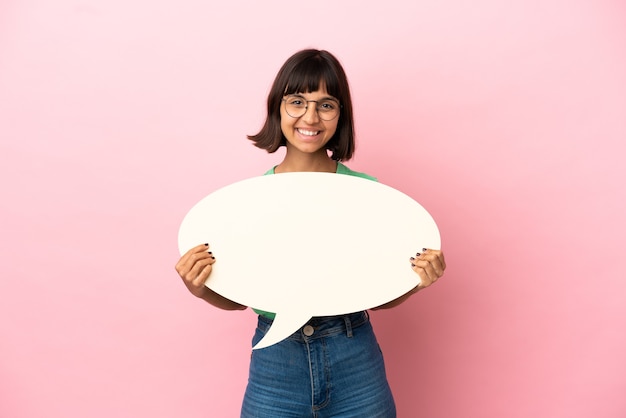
(309, 244)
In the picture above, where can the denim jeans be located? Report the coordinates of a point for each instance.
(331, 367)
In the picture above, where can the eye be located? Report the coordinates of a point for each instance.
(296, 101)
(327, 106)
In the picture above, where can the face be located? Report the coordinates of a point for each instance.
(309, 133)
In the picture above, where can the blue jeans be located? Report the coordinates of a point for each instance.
(334, 369)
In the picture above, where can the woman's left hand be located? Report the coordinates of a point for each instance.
(429, 265)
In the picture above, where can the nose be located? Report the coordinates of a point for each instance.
(310, 115)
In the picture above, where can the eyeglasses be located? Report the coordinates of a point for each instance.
(296, 106)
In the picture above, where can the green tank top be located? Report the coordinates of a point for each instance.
(341, 169)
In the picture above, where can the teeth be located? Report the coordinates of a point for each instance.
(310, 133)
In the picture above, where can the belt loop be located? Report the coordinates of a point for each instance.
(346, 319)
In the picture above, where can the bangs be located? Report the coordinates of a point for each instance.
(310, 74)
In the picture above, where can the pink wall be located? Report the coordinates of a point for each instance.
(507, 120)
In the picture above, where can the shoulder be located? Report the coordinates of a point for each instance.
(342, 169)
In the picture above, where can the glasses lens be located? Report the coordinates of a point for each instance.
(328, 109)
(295, 106)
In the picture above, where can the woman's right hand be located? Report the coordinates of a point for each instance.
(194, 267)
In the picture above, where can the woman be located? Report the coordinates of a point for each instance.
(332, 366)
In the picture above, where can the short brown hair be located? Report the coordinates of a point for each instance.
(303, 72)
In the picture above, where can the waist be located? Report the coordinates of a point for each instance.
(322, 326)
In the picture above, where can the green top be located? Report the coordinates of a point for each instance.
(341, 169)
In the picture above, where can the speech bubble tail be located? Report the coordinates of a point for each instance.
(282, 327)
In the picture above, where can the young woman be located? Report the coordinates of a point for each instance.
(332, 366)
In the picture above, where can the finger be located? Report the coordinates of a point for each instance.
(195, 256)
(200, 262)
(418, 267)
(441, 261)
(185, 258)
(202, 276)
(436, 259)
(440, 257)
(435, 263)
(425, 270)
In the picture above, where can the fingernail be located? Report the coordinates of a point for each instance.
(210, 252)
(213, 257)
(424, 249)
(418, 254)
(206, 243)
(412, 258)
(412, 265)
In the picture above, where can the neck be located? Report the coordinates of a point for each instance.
(297, 161)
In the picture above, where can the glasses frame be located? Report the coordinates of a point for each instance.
(306, 108)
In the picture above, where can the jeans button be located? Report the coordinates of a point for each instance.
(308, 330)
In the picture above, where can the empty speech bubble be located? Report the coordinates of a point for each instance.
(309, 244)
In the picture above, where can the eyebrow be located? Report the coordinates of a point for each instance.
(323, 98)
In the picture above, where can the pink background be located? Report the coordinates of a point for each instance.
(505, 119)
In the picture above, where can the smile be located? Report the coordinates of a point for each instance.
(307, 133)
